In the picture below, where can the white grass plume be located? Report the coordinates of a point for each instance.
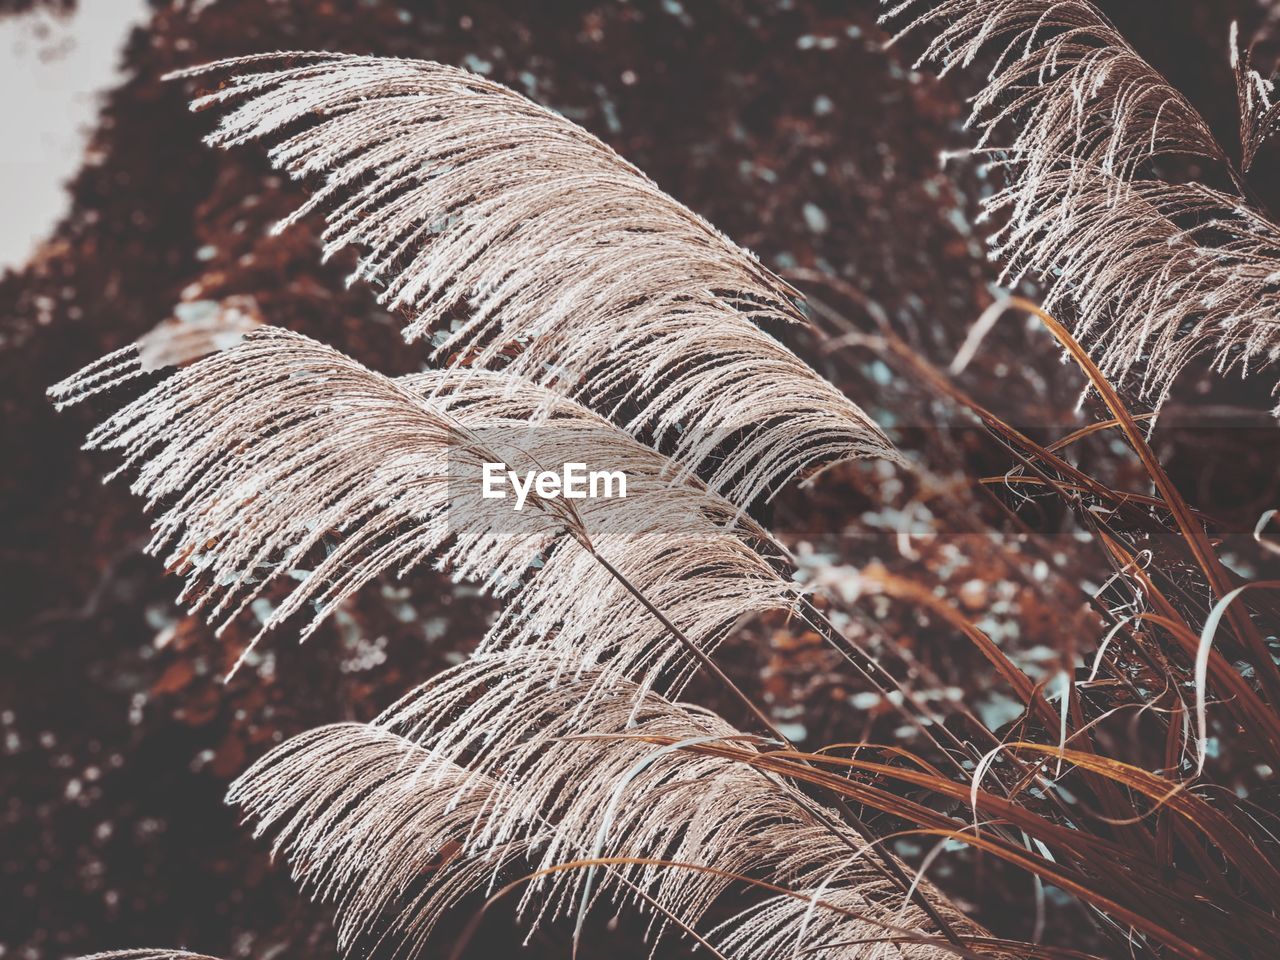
(497, 761)
(255, 458)
(469, 201)
(1070, 82)
(1158, 273)
(1255, 98)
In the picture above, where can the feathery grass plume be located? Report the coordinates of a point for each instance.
(1255, 99)
(468, 200)
(148, 953)
(1074, 87)
(692, 554)
(1158, 272)
(256, 456)
(376, 825)
(494, 770)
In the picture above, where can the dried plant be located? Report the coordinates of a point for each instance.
(1259, 111)
(1159, 272)
(585, 308)
(281, 457)
(497, 770)
(260, 454)
(473, 205)
(1196, 270)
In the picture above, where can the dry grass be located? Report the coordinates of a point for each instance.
(1158, 270)
(555, 765)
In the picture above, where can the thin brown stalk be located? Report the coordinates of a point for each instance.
(1198, 542)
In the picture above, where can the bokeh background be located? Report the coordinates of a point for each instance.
(785, 123)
